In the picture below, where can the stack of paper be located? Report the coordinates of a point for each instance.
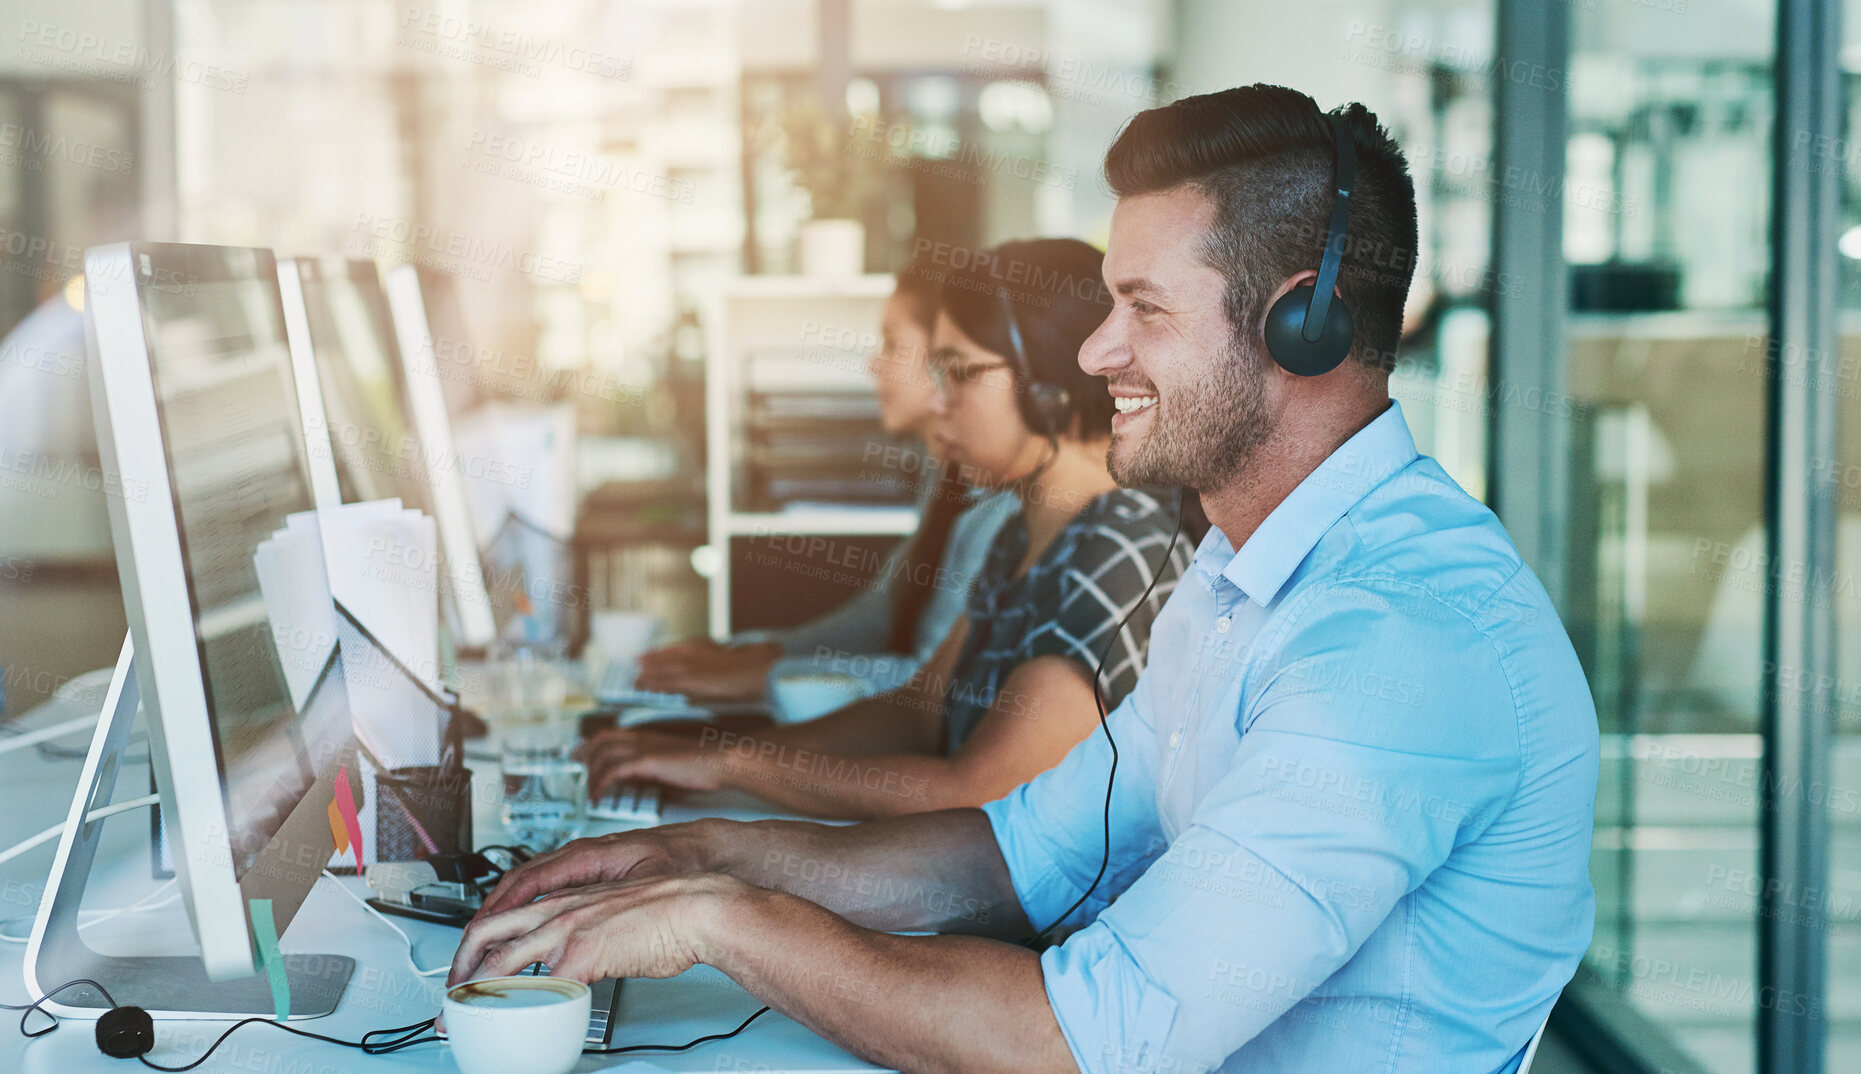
(380, 561)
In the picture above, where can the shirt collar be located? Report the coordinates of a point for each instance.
(1293, 529)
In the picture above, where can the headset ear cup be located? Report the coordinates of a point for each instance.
(1283, 324)
(1285, 341)
(1340, 333)
(1049, 408)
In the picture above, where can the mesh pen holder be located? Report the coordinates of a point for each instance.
(421, 811)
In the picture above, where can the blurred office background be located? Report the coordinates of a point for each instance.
(629, 202)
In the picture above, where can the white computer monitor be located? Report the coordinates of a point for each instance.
(363, 442)
(233, 648)
(474, 625)
(341, 333)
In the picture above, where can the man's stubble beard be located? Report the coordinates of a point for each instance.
(1207, 437)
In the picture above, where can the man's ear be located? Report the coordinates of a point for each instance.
(1285, 286)
(1292, 281)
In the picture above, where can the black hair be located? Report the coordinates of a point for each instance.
(1057, 290)
(1265, 156)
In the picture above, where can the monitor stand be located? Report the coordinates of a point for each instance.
(167, 986)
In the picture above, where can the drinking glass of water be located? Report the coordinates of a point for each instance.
(545, 792)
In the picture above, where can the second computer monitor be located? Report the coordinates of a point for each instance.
(337, 308)
(382, 439)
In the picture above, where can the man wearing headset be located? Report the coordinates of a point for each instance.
(1348, 823)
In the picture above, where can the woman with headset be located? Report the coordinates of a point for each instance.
(1060, 612)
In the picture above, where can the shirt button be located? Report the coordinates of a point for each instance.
(1223, 624)
(1176, 739)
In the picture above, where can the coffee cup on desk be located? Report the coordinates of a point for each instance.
(517, 1025)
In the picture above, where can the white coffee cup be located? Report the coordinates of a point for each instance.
(516, 1025)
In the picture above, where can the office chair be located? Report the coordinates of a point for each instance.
(1531, 1050)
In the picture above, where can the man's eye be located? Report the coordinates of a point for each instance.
(1142, 309)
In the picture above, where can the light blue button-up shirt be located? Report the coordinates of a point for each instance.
(1355, 787)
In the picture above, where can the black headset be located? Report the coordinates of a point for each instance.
(1046, 407)
(1308, 332)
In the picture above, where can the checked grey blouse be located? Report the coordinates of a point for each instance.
(1068, 602)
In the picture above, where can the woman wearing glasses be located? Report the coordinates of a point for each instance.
(1074, 577)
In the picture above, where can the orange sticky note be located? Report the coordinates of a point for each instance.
(338, 833)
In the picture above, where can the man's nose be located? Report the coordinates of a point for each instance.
(1105, 350)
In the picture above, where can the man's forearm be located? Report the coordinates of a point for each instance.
(918, 1003)
(938, 871)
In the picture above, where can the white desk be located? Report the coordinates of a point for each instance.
(35, 794)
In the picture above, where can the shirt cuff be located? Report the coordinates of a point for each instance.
(1041, 886)
(1113, 1016)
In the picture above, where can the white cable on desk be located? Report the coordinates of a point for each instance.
(135, 907)
(99, 813)
(104, 915)
(383, 918)
(44, 734)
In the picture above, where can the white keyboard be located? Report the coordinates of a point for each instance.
(603, 1007)
(629, 803)
(617, 689)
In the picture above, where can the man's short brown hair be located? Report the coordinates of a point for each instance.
(1265, 155)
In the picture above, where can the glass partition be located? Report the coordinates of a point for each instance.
(1841, 904)
(1666, 211)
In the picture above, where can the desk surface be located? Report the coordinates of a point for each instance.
(384, 991)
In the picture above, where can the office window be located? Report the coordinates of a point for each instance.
(1441, 378)
(1666, 210)
(1842, 902)
(570, 168)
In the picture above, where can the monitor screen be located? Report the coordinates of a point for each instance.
(258, 591)
(467, 604)
(377, 451)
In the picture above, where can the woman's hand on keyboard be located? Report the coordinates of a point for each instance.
(706, 671)
(623, 754)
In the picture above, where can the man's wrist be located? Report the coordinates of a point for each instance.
(726, 915)
(725, 846)
(744, 849)
(705, 845)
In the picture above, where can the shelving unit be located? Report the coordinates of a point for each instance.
(801, 337)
